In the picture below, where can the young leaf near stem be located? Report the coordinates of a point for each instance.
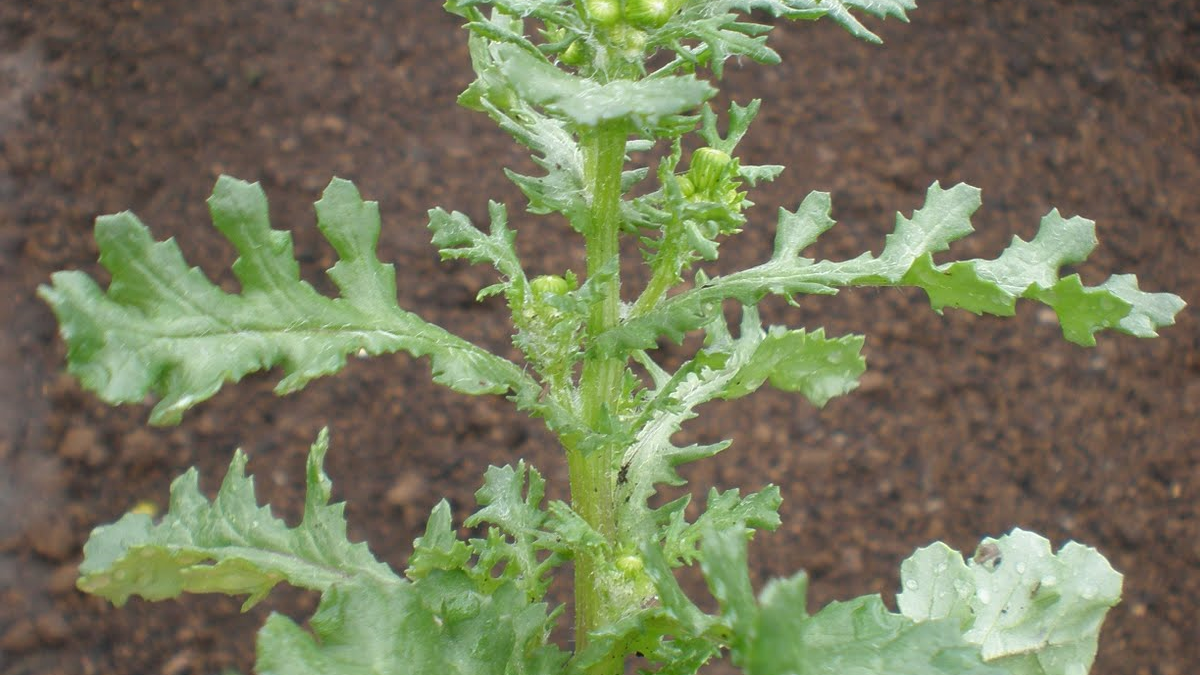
(581, 97)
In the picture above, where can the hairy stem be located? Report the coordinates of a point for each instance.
(593, 475)
(604, 156)
(664, 277)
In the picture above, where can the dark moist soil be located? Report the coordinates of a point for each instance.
(963, 427)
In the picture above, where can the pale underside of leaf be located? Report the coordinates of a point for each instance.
(1031, 611)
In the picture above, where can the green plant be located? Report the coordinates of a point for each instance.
(581, 95)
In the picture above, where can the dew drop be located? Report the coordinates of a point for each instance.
(962, 588)
(984, 595)
(1049, 580)
(940, 569)
(911, 584)
(1021, 567)
(1088, 592)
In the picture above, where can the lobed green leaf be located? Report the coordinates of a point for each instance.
(1014, 609)
(457, 238)
(838, 10)
(722, 511)
(519, 533)
(442, 625)
(230, 545)
(543, 9)
(1024, 270)
(774, 634)
(164, 328)
(450, 619)
(555, 149)
(439, 548)
(726, 368)
(857, 636)
(791, 360)
(720, 36)
(588, 103)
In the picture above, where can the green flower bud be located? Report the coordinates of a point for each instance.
(686, 187)
(630, 565)
(549, 284)
(708, 169)
(574, 55)
(603, 12)
(650, 13)
(629, 41)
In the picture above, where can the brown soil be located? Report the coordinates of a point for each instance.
(965, 426)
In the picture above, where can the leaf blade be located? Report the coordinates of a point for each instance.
(230, 545)
(1024, 270)
(438, 626)
(1032, 612)
(163, 328)
(588, 103)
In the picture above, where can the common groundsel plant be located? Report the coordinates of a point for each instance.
(588, 86)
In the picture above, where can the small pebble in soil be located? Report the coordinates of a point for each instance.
(52, 628)
(407, 490)
(62, 579)
(141, 448)
(21, 637)
(181, 663)
(52, 540)
(81, 443)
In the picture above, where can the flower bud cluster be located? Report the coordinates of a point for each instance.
(712, 177)
(644, 14)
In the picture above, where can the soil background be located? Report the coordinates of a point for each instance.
(964, 426)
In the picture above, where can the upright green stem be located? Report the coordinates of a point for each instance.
(593, 475)
(604, 157)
